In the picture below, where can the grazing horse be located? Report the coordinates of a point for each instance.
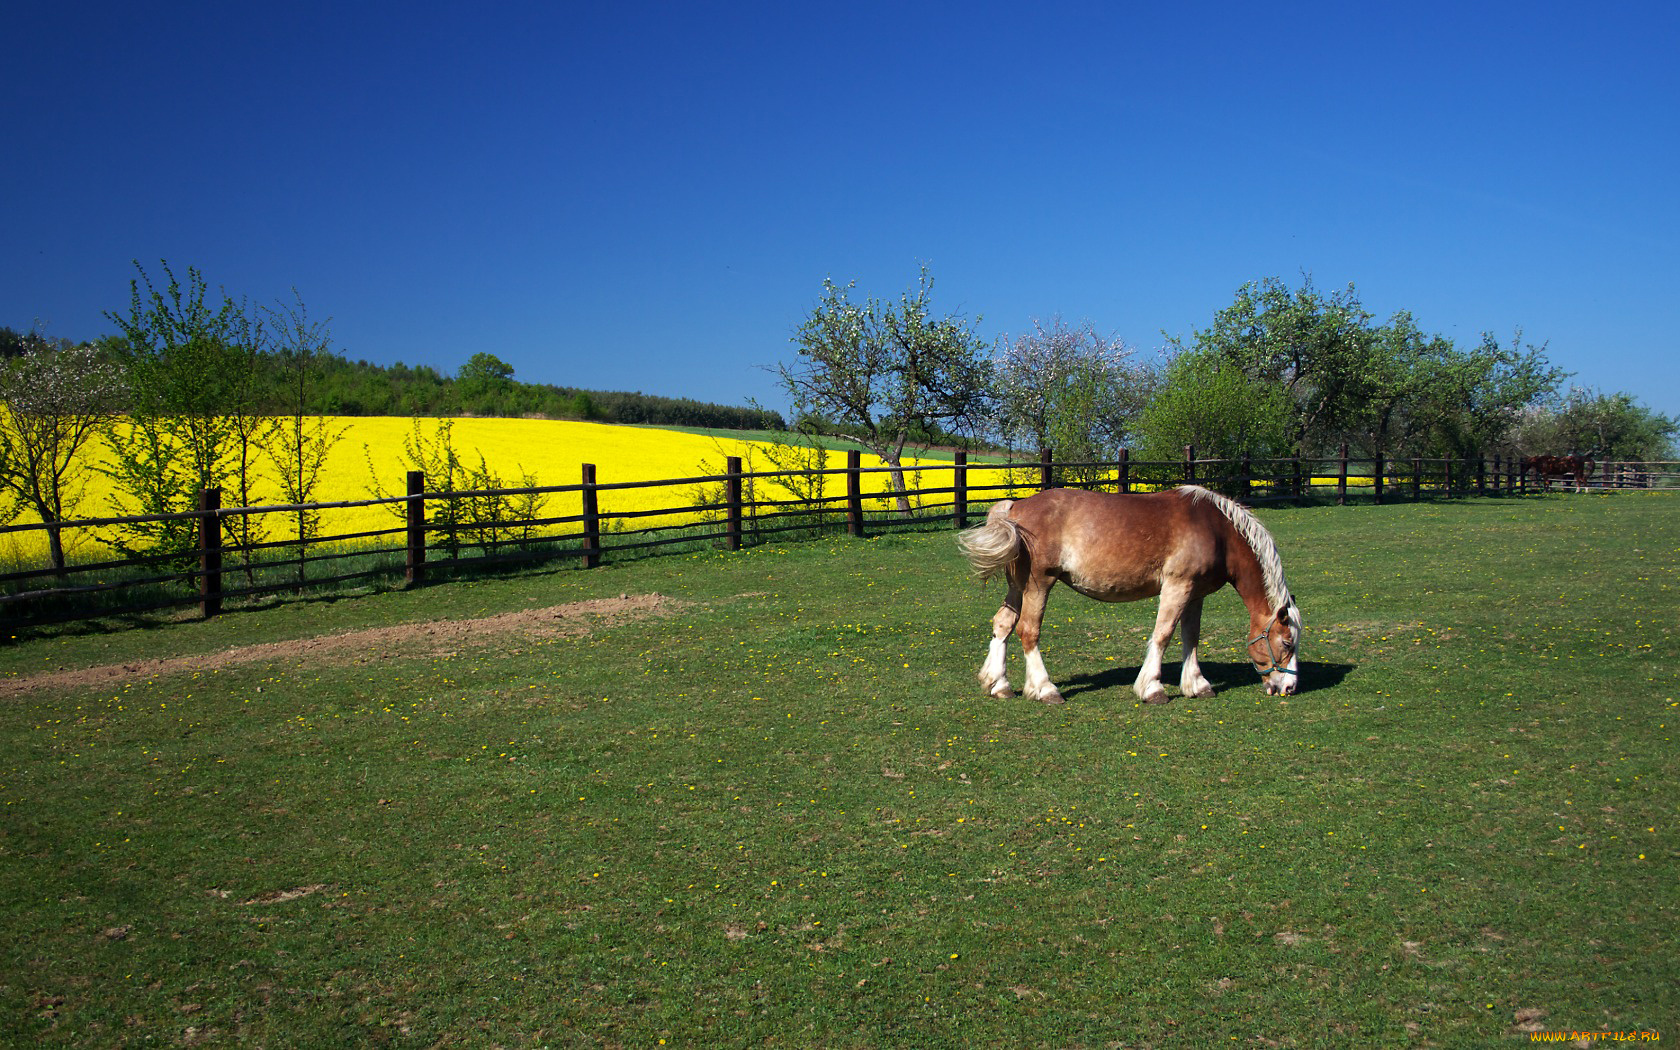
(1545, 468)
(1183, 545)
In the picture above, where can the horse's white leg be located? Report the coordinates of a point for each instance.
(1038, 685)
(994, 678)
(1148, 685)
(1190, 678)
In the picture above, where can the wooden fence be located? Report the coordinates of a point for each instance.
(435, 533)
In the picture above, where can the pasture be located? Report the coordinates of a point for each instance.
(772, 806)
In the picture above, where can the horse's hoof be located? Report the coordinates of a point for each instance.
(1052, 697)
(1156, 698)
(1003, 692)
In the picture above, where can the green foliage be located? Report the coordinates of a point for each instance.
(583, 407)
(1479, 397)
(153, 474)
(470, 514)
(194, 379)
(483, 367)
(1387, 388)
(1605, 426)
(193, 363)
(1206, 400)
(358, 388)
(297, 442)
(799, 455)
(1317, 348)
(485, 385)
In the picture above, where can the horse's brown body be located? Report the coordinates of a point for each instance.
(1545, 468)
(1182, 545)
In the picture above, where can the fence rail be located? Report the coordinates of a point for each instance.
(435, 533)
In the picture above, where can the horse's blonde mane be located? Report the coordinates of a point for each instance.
(1258, 540)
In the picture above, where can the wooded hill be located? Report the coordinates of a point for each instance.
(484, 386)
(358, 388)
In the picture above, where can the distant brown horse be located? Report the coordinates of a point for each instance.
(1182, 544)
(1545, 468)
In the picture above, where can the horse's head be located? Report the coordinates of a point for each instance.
(1274, 648)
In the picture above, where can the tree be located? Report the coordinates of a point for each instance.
(1404, 365)
(885, 370)
(54, 398)
(1068, 389)
(1206, 400)
(485, 385)
(193, 377)
(1606, 426)
(191, 364)
(485, 367)
(13, 342)
(297, 441)
(1476, 399)
(1318, 348)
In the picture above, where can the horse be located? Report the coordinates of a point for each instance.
(1182, 544)
(1542, 469)
(1546, 468)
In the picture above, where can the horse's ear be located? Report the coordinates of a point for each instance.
(1283, 615)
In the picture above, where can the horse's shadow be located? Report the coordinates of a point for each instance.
(1315, 675)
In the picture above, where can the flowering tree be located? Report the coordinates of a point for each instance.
(54, 397)
(1068, 389)
(886, 370)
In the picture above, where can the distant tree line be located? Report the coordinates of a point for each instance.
(485, 386)
(1282, 371)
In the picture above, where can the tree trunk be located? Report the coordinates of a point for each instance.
(55, 544)
(897, 481)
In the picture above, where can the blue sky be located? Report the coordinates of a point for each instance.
(648, 196)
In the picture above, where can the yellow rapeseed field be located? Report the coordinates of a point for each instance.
(372, 455)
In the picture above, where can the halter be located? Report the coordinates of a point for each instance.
(1271, 654)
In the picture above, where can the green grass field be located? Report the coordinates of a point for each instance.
(782, 814)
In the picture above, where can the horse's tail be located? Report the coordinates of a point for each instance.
(992, 546)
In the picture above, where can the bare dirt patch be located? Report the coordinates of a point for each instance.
(434, 637)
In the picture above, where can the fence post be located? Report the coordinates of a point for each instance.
(1341, 480)
(854, 492)
(1378, 469)
(1245, 484)
(1125, 470)
(414, 563)
(209, 552)
(1481, 475)
(959, 484)
(1189, 464)
(1298, 477)
(1046, 469)
(1446, 465)
(1498, 471)
(591, 520)
(732, 497)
